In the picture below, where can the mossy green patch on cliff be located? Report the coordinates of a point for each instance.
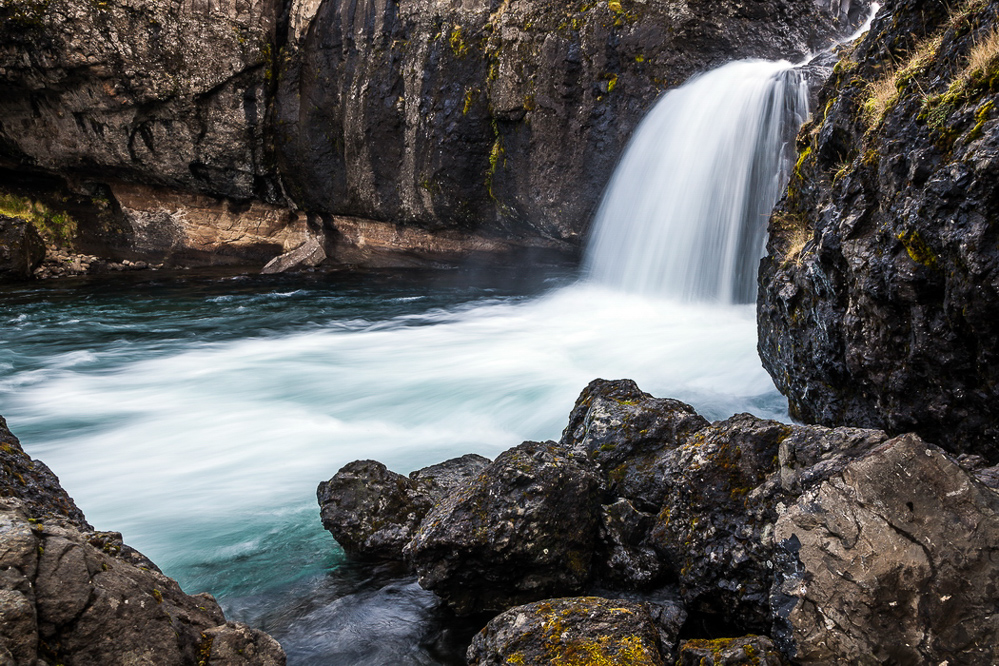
(917, 248)
(456, 40)
(53, 226)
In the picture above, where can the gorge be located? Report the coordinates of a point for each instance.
(196, 411)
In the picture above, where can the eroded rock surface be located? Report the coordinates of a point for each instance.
(746, 650)
(877, 298)
(891, 561)
(373, 512)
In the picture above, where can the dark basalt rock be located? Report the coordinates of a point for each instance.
(890, 561)
(21, 249)
(877, 297)
(524, 529)
(746, 650)
(583, 630)
(624, 430)
(373, 512)
(71, 595)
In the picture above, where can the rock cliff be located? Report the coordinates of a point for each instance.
(877, 297)
(208, 132)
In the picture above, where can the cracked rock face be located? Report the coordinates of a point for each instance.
(877, 298)
(21, 249)
(892, 561)
(503, 116)
(525, 528)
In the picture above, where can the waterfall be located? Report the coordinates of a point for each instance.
(685, 213)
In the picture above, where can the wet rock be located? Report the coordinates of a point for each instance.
(523, 529)
(21, 249)
(577, 630)
(746, 650)
(628, 558)
(373, 512)
(33, 483)
(624, 430)
(877, 297)
(890, 561)
(440, 479)
(71, 595)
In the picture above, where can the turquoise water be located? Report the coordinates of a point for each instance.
(197, 413)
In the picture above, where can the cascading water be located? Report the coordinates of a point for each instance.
(686, 210)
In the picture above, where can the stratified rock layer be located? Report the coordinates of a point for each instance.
(877, 299)
(74, 596)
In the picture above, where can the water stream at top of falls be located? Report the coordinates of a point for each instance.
(686, 210)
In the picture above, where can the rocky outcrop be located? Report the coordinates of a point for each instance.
(21, 249)
(71, 595)
(755, 650)
(373, 512)
(523, 529)
(840, 544)
(876, 299)
(500, 116)
(586, 630)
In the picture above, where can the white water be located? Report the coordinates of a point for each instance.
(685, 213)
(236, 430)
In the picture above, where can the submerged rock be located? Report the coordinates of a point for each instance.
(877, 298)
(523, 529)
(21, 249)
(577, 630)
(75, 596)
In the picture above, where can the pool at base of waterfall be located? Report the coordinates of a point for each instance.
(196, 413)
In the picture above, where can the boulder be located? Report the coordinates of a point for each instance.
(373, 512)
(877, 297)
(75, 596)
(589, 631)
(893, 560)
(746, 650)
(624, 430)
(21, 249)
(524, 529)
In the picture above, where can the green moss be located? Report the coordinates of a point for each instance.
(917, 248)
(54, 226)
(457, 42)
(802, 158)
(158, 596)
(981, 117)
(611, 82)
(470, 96)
